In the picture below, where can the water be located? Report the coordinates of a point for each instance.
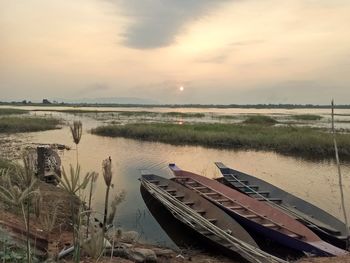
(316, 182)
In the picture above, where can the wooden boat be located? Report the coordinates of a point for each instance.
(323, 224)
(205, 221)
(257, 216)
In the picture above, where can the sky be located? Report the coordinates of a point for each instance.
(218, 51)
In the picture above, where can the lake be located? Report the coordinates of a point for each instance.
(315, 181)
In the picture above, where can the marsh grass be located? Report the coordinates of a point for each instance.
(260, 120)
(306, 117)
(10, 111)
(27, 124)
(183, 114)
(311, 142)
(225, 117)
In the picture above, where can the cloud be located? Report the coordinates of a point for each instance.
(156, 23)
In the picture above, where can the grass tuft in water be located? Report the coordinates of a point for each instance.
(10, 111)
(29, 124)
(260, 119)
(301, 141)
(306, 117)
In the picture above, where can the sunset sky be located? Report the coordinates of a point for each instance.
(218, 51)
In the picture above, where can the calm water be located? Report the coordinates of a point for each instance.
(313, 181)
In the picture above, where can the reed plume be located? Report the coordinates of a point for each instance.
(77, 131)
(107, 175)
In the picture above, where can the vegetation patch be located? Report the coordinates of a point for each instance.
(30, 124)
(260, 119)
(10, 111)
(305, 141)
(226, 117)
(306, 117)
(4, 164)
(183, 114)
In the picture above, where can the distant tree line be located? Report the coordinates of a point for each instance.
(46, 102)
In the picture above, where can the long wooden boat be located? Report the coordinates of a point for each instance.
(257, 216)
(323, 224)
(204, 220)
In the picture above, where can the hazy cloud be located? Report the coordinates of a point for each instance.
(156, 23)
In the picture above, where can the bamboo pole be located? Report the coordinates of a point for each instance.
(340, 179)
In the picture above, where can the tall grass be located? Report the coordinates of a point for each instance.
(260, 119)
(286, 139)
(10, 111)
(28, 124)
(306, 117)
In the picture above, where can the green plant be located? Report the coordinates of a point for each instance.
(19, 188)
(72, 185)
(93, 180)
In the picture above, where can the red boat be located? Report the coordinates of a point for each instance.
(256, 216)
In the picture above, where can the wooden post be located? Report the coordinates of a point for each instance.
(340, 179)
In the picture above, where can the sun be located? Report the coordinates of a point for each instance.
(181, 88)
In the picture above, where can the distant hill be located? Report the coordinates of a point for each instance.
(112, 100)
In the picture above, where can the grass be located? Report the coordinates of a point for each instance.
(303, 141)
(183, 115)
(30, 124)
(4, 164)
(260, 119)
(306, 117)
(10, 111)
(226, 117)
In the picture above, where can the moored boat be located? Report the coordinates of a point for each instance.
(322, 223)
(257, 216)
(204, 220)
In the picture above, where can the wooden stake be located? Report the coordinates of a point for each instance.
(340, 179)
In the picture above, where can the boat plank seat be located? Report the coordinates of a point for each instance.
(179, 196)
(200, 187)
(239, 186)
(171, 190)
(212, 220)
(206, 233)
(162, 185)
(276, 200)
(270, 225)
(154, 181)
(236, 207)
(189, 203)
(223, 200)
(258, 193)
(211, 193)
(201, 212)
(251, 216)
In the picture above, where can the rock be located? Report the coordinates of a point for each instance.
(138, 255)
(163, 252)
(129, 236)
(142, 255)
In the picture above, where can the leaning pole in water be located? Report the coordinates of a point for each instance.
(340, 179)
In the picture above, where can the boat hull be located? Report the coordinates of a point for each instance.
(326, 226)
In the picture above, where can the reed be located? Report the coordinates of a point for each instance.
(76, 130)
(107, 175)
